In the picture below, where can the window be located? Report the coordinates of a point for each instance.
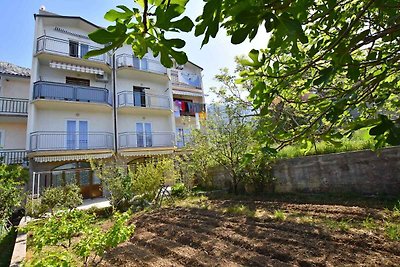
(84, 49)
(2, 138)
(77, 81)
(144, 134)
(139, 96)
(73, 48)
(77, 134)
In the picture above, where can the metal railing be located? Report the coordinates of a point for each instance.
(145, 64)
(139, 99)
(143, 140)
(68, 92)
(65, 47)
(187, 83)
(188, 108)
(42, 141)
(13, 156)
(14, 105)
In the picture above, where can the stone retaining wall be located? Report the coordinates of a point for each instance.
(364, 172)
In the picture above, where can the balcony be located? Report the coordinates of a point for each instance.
(143, 100)
(69, 48)
(185, 79)
(187, 108)
(47, 141)
(144, 64)
(68, 92)
(13, 106)
(146, 140)
(13, 156)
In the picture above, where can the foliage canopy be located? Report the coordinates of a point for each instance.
(334, 64)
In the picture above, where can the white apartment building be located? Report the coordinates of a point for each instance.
(14, 94)
(105, 107)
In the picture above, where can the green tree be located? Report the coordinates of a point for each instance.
(333, 63)
(11, 189)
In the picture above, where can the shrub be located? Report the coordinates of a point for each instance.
(60, 232)
(148, 177)
(179, 190)
(53, 199)
(117, 181)
(11, 189)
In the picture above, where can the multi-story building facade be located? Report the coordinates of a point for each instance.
(14, 94)
(105, 107)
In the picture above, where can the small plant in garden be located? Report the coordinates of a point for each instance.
(396, 210)
(393, 231)
(74, 235)
(179, 190)
(369, 223)
(279, 215)
(240, 210)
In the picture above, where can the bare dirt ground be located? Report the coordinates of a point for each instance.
(210, 235)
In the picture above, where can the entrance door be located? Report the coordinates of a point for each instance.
(144, 136)
(79, 173)
(77, 135)
(139, 96)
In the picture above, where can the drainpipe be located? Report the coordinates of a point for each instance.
(114, 75)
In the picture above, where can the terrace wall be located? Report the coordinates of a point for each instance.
(364, 172)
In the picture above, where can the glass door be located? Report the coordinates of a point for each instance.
(144, 134)
(77, 134)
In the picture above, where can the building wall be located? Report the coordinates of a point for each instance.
(364, 172)
(55, 120)
(14, 87)
(160, 123)
(14, 134)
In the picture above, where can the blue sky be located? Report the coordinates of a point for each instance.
(18, 24)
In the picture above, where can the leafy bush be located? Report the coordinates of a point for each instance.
(139, 203)
(61, 232)
(52, 258)
(53, 199)
(11, 189)
(148, 177)
(116, 180)
(179, 190)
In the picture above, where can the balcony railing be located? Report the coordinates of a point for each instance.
(14, 106)
(13, 156)
(187, 108)
(185, 79)
(139, 99)
(43, 141)
(68, 92)
(144, 140)
(145, 64)
(69, 48)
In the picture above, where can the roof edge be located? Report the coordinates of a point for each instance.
(68, 17)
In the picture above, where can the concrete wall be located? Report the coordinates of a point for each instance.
(14, 134)
(363, 172)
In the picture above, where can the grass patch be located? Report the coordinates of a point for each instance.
(279, 215)
(369, 223)
(392, 231)
(240, 210)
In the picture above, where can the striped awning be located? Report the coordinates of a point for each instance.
(145, 153)
(78, 68)
(178, 92)
(72, 157)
